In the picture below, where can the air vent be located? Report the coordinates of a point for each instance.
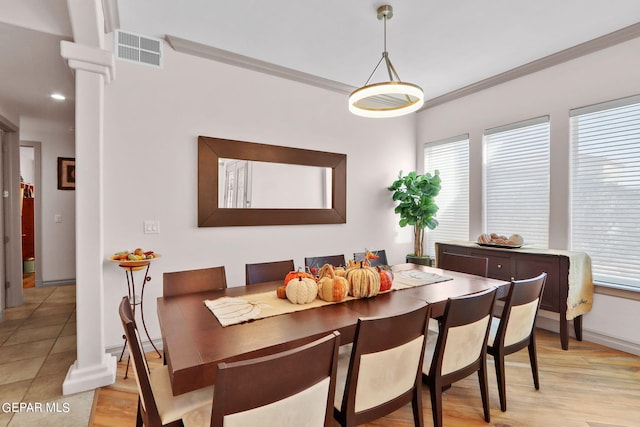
(137, 48)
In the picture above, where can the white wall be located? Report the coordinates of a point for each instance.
(152, 120)
(601, 76)
(58, 239)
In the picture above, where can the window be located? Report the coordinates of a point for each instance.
(451, 157)
(516, 186)
(605, 189)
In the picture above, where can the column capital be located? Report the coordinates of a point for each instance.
(88, 58)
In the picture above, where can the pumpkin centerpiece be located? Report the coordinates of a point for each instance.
(364, 281)
(386, 278)
(340, 271)
(296, 274)
(303, 290)
(326, 271)
(281, 292)
(331, 287)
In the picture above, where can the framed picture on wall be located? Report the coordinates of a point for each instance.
(66, 173)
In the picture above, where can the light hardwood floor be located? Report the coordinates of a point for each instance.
(587, 386)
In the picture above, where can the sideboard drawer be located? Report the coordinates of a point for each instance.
(499, 267)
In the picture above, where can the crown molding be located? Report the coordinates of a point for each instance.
(208, 52)
(111, 15)
(591, 46)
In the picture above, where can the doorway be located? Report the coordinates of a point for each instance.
(28, 214)
(31, 213)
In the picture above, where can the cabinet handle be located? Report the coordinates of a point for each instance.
(499, 265)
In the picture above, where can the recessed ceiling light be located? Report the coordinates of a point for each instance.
(58, 97)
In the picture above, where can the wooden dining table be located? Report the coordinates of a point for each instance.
(195, 342)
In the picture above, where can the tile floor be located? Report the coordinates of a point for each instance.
(37, 347)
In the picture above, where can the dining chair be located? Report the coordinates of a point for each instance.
(515, 329)
(460, 349)
(267, 271)
(383, 370)
(318, 261)
(190, 281)
(288, 389)
(157, 406)
(478, 266)
(381, 260)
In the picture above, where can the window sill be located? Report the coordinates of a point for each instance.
(617, 292)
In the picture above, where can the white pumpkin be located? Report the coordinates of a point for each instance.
(302, 291)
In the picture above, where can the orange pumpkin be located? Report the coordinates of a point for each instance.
(297, 274)
(331, 287)
(281, 292)
(386, 279)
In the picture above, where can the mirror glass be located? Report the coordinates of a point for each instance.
(259, 185)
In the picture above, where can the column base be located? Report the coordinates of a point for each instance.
(90, 378)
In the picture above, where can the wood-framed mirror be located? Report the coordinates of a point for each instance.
(230, 198)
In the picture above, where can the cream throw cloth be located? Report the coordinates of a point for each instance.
(233, 310)
(580, 298)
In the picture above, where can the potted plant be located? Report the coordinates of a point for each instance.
(417, 207)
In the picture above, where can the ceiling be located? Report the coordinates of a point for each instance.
(440, 45)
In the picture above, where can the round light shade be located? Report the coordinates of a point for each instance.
(389, 99)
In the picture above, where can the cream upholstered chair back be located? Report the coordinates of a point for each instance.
(515, 329)
(464, 345)
(292, 388)
(156, 404)
(381, 372)
(460, 349)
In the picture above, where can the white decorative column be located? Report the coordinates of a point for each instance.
(94, 67)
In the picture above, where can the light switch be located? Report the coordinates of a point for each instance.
(151, 226)
(57, 218)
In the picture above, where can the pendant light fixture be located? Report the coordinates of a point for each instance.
(388, 99)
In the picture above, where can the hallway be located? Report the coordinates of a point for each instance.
(37, 346)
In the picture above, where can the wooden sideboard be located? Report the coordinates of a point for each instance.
(507, 264)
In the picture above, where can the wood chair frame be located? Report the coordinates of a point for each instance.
(267, 271)
(148, 413)
(460, 311)
(374, 335)
(318, 261)
(191, 281)
(381, 260)
(249, 384)
(520, 292)
(478, 266)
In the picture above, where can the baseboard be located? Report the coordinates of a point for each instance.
(63, 282)
(550, 322)
(146, 346)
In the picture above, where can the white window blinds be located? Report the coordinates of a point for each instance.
(517, 180)
(451, 157)
(605, 189)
